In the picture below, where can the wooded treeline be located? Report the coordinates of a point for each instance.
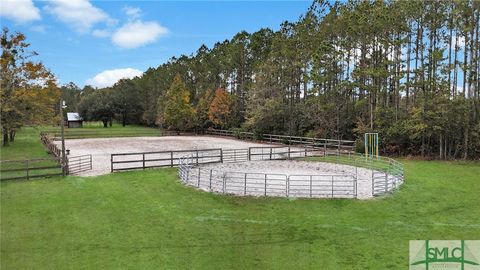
(406, 69)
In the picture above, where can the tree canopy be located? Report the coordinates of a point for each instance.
(406, 69)
(175, 111)
(28, 90)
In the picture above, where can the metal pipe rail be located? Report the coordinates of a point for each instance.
(387, 175)
(266, 184)
(79, 164)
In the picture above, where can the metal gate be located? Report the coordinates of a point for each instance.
(79, 164)
(380, 185)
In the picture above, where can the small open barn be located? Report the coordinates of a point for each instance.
(74, 120)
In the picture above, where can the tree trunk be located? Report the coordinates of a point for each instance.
(465, 139)
(124, 119)
(465, 61)
(5, 137)
(441, 145)
(450, 25)
(407, 85)
(455, 61)
(105, 123)
(12, 135)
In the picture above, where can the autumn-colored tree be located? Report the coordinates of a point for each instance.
(175, 111)
(220, 108)
(202, 109)
(28, 91)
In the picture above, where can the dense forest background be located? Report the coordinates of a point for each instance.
(408, 70)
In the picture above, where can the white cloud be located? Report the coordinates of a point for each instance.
(79, 14)
(135, 34)
(20, 11)
(101, 33)
(132, 12)
(110, 77)
(38, 28)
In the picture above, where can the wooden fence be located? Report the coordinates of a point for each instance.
(144, 160)
(73, 164)
(28, 169)
(50, 145)
(326, 144)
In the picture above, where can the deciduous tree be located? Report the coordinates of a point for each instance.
(220, 108)
(28, 90)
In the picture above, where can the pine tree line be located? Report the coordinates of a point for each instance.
(406, 69)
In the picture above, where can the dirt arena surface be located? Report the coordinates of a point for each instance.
(101, 148)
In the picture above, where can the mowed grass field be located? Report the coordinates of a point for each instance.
(148, 220)
(96, 130)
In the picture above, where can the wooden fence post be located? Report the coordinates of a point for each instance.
(67, 164)
(111, 163)
(143, 159)
(171, 159)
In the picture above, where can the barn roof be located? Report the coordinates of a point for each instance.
(73, 116)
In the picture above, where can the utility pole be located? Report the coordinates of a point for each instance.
(62, 126)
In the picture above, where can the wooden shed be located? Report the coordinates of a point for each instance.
(74, 120)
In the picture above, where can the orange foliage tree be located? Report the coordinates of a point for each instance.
(220, 108)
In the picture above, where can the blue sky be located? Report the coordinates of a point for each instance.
(95, 42)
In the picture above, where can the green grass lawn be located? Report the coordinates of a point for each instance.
(27, 145)
(96, 130)
(148, 220)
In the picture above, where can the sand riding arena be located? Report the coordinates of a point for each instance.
(328, 169)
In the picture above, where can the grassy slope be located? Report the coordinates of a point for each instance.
(147, 220)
